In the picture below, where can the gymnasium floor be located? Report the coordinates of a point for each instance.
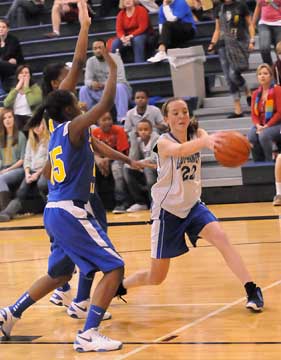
(197, 313)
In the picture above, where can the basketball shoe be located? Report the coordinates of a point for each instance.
(7, 321)
(61, 298)
(255, 300)
(79, 310)
(92, 340)
(121, 291)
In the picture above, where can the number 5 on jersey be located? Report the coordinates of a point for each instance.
(58, 171)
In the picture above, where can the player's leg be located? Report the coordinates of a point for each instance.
(41, 287)
(154, 276)
(215, 235)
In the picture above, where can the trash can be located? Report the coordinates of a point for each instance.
(187, 70)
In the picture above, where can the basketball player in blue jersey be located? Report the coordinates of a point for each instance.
(77, 237)
(177, 209)
(59, 76)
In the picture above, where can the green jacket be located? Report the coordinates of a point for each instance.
(33, 96)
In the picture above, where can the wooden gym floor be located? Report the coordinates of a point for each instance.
(197, 313)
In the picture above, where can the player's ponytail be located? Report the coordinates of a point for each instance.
(37, 117)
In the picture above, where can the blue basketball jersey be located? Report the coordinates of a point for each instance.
(72, 168)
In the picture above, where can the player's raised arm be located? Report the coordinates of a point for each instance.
(82, 122)
(80, 54)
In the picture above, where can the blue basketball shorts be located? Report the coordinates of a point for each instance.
(168, 232)
(77, 239)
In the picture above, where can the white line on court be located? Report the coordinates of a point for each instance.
(141, 305)
(193, 323)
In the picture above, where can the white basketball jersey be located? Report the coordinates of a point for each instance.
(178, 185)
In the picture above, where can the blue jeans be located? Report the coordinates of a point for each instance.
(12, 179)
(262, 143)
(234, 79)
(120, 187)
(123, 94)
(268, 35)
(138, 43)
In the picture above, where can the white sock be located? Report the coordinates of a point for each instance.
(278, 188)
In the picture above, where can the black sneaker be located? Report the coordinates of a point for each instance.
(233, 115)
(255, 301)
(121, 291)
(119, 209)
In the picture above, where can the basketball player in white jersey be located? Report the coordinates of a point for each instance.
(177, 209)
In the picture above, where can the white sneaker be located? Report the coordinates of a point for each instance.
(79, 310)
(160, 56)
(137, 207)
(7, 321)
(92, 340)
(61, 298)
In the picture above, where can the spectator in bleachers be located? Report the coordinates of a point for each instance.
(269, 26)
(232, 41)
(132, 27)
(176, 27)
(21, 10)
(277, 64)
(140, 182)
(24, 97)
(144, 110)
(96, 74)
(10, 55)
(277, 171)
(65, 10)
(266, 115)
(12, 150)
(34, 182)
(115, 137)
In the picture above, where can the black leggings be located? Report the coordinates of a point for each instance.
(176, 34)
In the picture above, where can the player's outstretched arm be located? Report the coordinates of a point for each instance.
(104, 150)
(84, 121)
(80, 54)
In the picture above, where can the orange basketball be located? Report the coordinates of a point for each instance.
(233, 149)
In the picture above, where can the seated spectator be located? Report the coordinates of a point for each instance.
(277, 65)
(12, 150)
(132, 27)
(231, 39)
(96, 74)
(143, 110)
(25, 97)
(10, 55)
(266, 115)
(21, 10)
(140, 182)
(65, 10)
(176, 27)
(277, 171)
(269, 26)
(115, 137)
(34, 183)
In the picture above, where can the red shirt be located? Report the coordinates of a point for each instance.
(135, 25)
(276, 116)
(116, 138)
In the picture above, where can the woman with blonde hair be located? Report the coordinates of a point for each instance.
(34, 182)
(132, 28)
(266, 115)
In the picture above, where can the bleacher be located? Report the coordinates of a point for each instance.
(220, 184)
